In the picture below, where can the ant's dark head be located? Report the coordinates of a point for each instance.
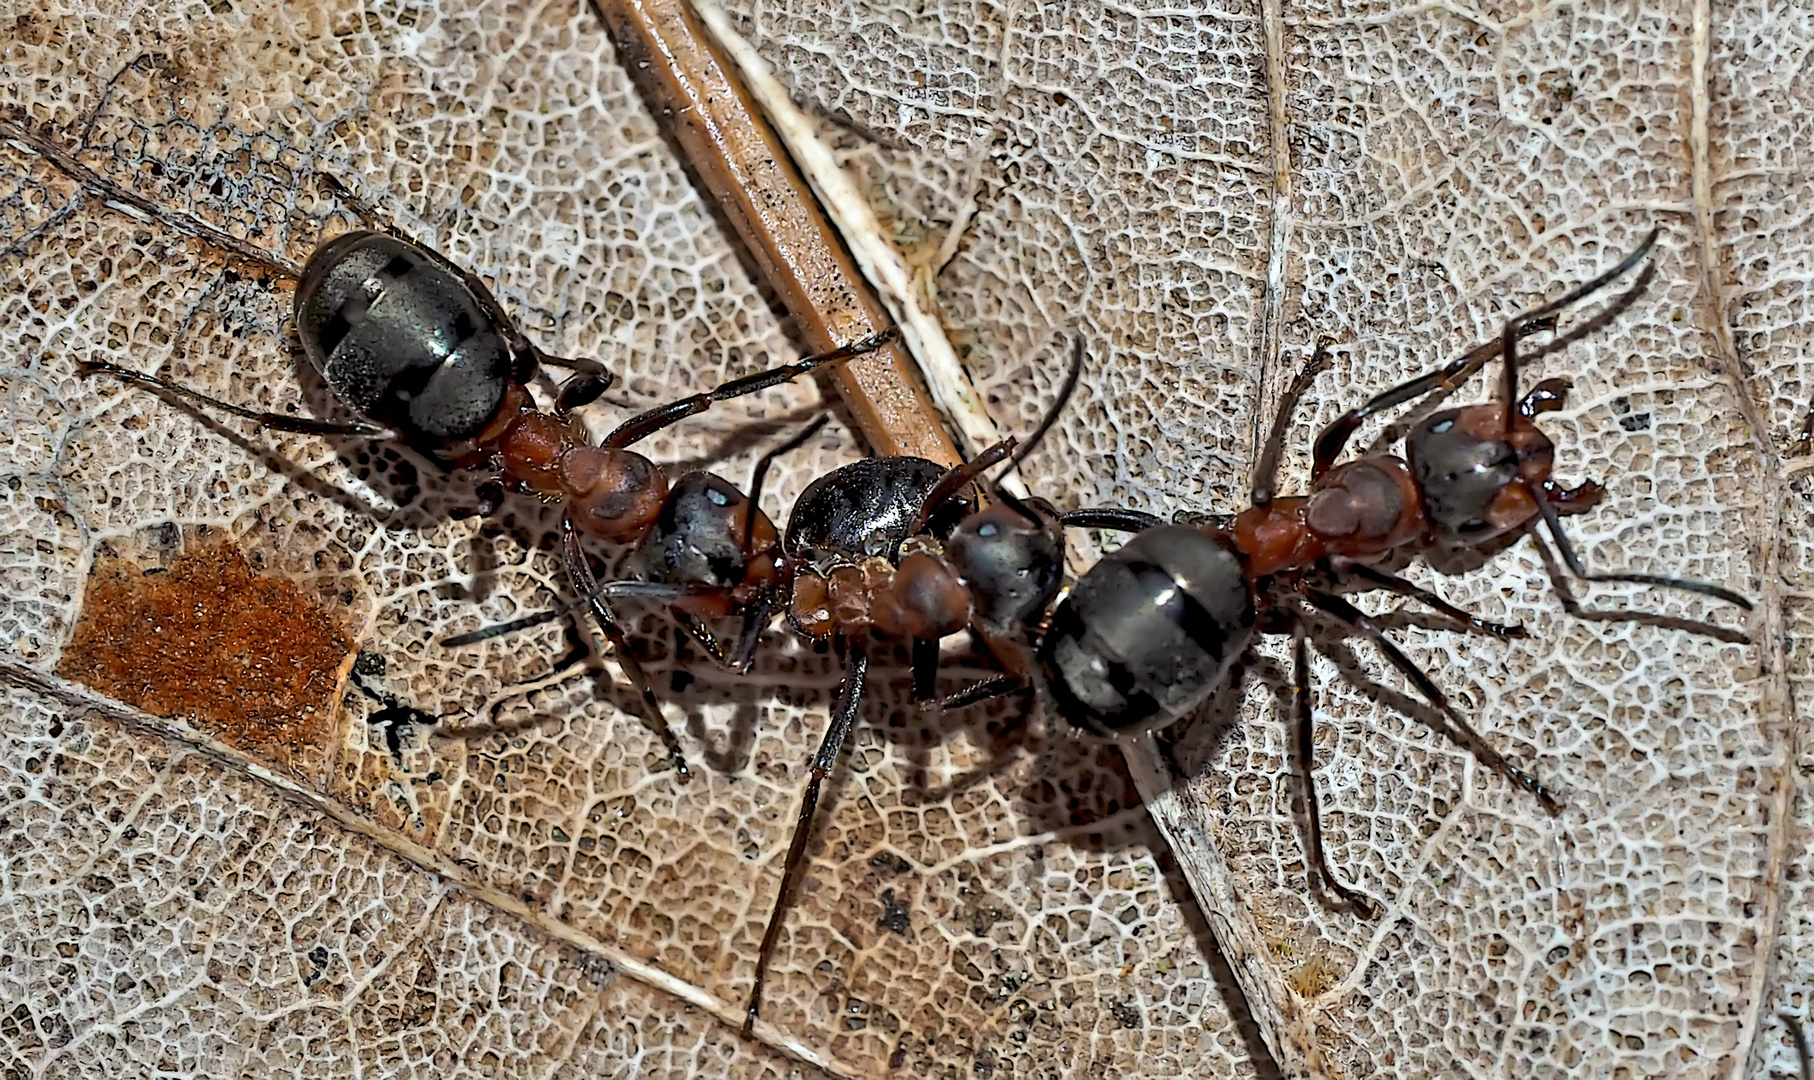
(1011, 557)
(400, 337)
(1475, 476)
(699, 536)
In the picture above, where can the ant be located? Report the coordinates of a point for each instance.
(1149, 632)
(422, 350)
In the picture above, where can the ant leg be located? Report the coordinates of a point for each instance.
(983, 690)
(955, 480)
(274, 421)
(1265, 470)
(925, 670)
(1547, 396)
(756, 615)
(1117, 520)
(1518, 324)
(1352, 617)
(1394, 583)
(1576, 500)
(755, 620)
(590, 379)
(760, 474)
(843, 717)
(1801, 1044)
(648, 423)
(603, 591)
(1306, 758)
(579, 572)
(486, 633)
(1553, 520)
(702, 634)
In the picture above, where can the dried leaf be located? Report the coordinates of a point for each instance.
(1202, 194)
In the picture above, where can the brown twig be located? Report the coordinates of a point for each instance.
(743, 165)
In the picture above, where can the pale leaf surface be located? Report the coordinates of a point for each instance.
(1111, 173)
(1443, 169)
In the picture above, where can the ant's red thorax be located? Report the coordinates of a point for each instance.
(1272, 537)
(1361, 510)
(614, 495)
(1365, 508)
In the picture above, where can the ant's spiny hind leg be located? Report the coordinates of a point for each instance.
(1306, 758)
(579, 572)
(1461, 731)
(983, 690)
(302, 425)
(1410, 590)
(925, 670)
(843, 718)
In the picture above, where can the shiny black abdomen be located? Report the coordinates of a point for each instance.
(866, 508)
(400, 337)
(1147, 633)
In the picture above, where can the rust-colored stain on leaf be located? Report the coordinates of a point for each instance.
(249, 659)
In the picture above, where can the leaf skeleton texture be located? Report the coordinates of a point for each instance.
(1202, 192)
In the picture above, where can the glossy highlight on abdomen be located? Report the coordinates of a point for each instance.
(1149, 632)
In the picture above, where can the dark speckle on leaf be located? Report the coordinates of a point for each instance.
(894, 914)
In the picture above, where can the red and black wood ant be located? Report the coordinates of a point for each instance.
(1149, 632)
(421, 349)
(894, 548)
